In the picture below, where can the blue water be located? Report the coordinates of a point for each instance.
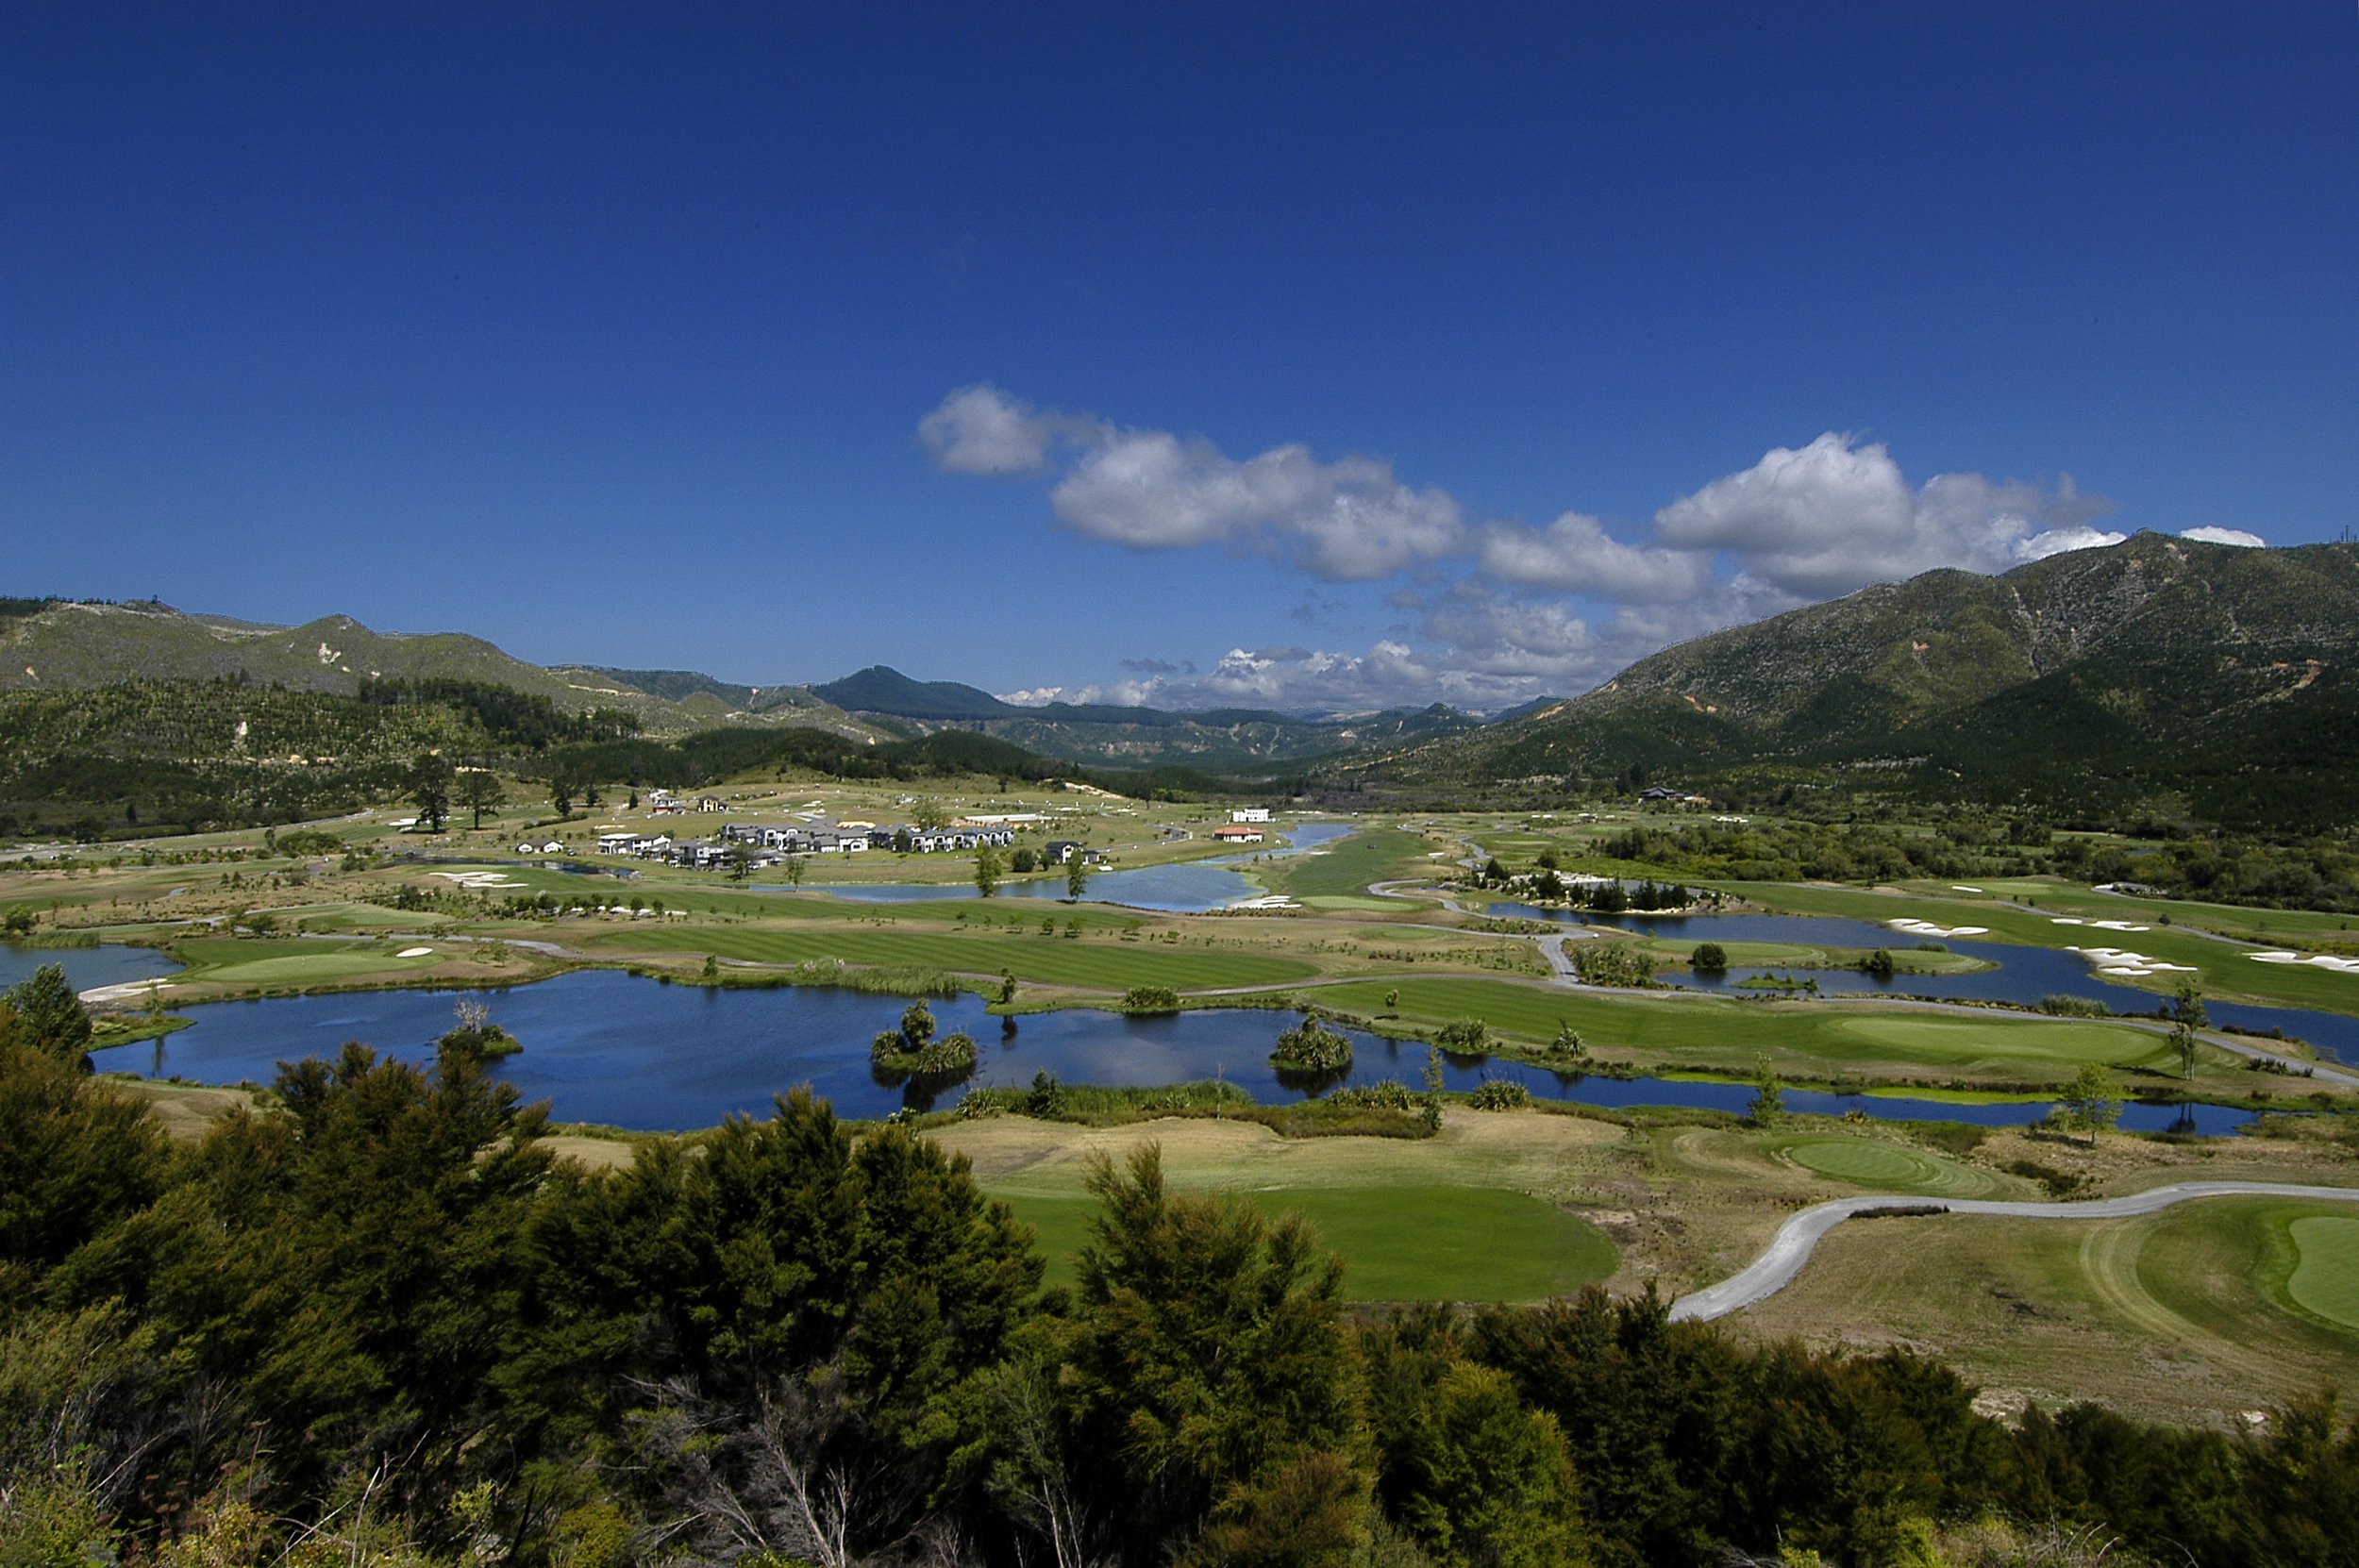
(1190, 887)
(609, 1048)
(85, 967)
(2024, 974)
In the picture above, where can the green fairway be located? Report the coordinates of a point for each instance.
(1347, 866)
(1829, 1037)
(1398, 1243)
(2326, 1279)
(1021, 951)
(1887, 1167)
(226, 960)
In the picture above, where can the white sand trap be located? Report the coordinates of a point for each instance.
(478, 878)
(2315, 960)
(2123, 969)
(413, 952)
(1927, 928)
(2118, 926)
(2066, 920)
(1268, 901)
(1961, 887)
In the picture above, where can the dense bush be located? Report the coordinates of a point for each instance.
(1311, 1046)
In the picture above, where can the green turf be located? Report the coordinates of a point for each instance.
(1888, 1167)
(2326, 1279)
(1025, 953)
(1398, 1243)
(1833, 1036)
(1347, 866)
(225, 960)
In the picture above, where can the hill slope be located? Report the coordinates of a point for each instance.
(2159, 671)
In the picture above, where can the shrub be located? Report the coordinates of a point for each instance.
(1385, 1094)
(1465, 1036)
(1146, 1001)
(1709, 958)
(1500, 1095)
(1311, 1046)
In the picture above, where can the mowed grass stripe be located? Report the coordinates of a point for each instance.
(1349, 865)
(1398, 1243)
(1836, 1034)
(1887, 1167)
(1051, 960)
(2326, 1279)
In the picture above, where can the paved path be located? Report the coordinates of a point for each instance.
(1791, 1247)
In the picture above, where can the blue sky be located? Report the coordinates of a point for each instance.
(1319, 355)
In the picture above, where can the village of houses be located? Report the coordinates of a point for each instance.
(753, 845)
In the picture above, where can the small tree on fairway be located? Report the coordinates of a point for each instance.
(429, 790)
(2094, 1100)
(1076, 876)
(479, 791)
(1429, 1110)
(986, 872)
(2187, 1017)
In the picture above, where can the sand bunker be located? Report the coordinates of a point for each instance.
(1927, 928)
(413, 952)
(1961, 887)
(2121, 961)
(2315, 960)
(2118, 926)
(478, 878)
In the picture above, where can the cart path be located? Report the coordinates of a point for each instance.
(1797, 1237)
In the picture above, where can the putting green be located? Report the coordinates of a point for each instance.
(1398, 1243)
(1889, 1167)
(2326, 1280)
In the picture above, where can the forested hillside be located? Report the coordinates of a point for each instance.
(384, 1325)
(2160, 674)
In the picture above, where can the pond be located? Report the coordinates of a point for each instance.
(85, 967)
(1190, 887)
(2024, 974)
(605, 1047)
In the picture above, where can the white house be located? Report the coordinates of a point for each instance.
(1249, 813)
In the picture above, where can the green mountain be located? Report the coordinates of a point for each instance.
(2160, 674)
(1109, 734)
(58, 645)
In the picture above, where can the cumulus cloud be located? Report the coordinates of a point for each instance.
(981, 430)
(2225, 535)
(1576, 554)
(1496, 612)
(1350, 520)
(1834, 516)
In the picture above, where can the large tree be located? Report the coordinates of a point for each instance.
(429, 789)
(479, 791)
(986, 871)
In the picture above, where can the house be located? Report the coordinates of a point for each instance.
(1237, 833)
(552, 847)
(1056, 852)
(1249, 813)
(619, 843)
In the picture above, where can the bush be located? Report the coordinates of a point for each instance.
(1385, 1094)
(1047, 1099)
(1311, 1046)
(1612, 964)
(1148, 1001)
(1464, 1037)
(1879, 966)
(1500, 1095)
(1709, 958)
(2074, 1007)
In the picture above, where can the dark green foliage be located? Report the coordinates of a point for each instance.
(913, 1052)
(1879, 966)
(1500, 1095)
(1709, 958)
(42, 1013)
(1611, 963)
(1311, 1046)
(1148, 1001)
(1464, 1037)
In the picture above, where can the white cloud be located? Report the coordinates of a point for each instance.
(1830, 517)
(981, 429)
(2225, 535)
(1348, 519)
(1576, 554)
(2055, 541)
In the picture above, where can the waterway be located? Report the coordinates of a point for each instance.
(2023, 976)
(85, 967)
(1190, 887)
(604, 1047)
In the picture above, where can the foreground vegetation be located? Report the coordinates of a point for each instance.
(385, 1324)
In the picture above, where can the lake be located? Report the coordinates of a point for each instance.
(605, 1047)
(85, 967)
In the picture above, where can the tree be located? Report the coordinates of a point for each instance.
(986, 871)
(1023, 862)
(1768, 1106)
(930, 815)
(1880, 965)
(429, 790)
(2094, 1100)
(1709, 958)
(479, 791)
(740, 860)
(1076, 875)
(1007, 987)
(44, 1013)
(2187, 1019)
(793, 870)
(562, 793)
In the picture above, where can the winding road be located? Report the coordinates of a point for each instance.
(1798, 1237)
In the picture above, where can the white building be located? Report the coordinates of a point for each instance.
(1249, 813)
